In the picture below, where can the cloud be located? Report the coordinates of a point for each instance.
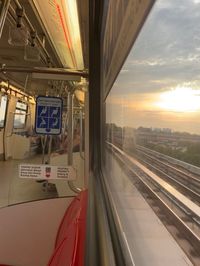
(124, 71)
(165, 55)
(167, 48)
(151, 62)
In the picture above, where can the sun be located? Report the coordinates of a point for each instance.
(180, 99)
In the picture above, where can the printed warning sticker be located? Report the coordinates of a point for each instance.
(45, 171)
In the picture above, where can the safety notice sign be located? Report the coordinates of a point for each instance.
(45, 171)
(48, 119)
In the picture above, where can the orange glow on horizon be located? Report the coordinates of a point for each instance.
(180, 99)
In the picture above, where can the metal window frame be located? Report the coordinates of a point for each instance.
(108, 247)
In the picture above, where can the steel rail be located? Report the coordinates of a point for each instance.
(137, 167)
(195, 195)
(186, 177)
(181, 225)
(170, 166)
(173, 161)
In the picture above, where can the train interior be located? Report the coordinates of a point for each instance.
(96, 133)
(19, 142)
(43, 42)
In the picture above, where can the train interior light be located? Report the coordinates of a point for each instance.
(62, 24)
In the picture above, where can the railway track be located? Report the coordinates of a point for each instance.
(165, 159)
(179, 219)
(185, 182)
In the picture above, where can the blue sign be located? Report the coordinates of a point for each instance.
(48, 118)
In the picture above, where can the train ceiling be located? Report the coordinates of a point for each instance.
(58, 44)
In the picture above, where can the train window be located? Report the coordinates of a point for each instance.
(153, 109)
(3, 105)
(20, 115)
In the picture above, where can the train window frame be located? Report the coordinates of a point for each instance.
(5, 110)
(20, 111)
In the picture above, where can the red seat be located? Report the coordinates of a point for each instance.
(71, 214)
(70, 241)
(83, 203)
(65, 253)
(80, 251)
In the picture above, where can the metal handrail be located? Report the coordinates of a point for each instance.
(43, 70)
(4, 10)
(73, 187)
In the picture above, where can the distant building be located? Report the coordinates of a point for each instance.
(157, 129)
(167, 130)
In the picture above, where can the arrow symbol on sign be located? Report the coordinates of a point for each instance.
(44, 110)
(42, 123)
(55, 112)
(55, 123)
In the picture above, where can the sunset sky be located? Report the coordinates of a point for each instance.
(159, 85)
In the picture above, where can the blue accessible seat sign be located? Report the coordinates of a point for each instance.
(48, 118)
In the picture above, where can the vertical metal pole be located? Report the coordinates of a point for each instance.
(49, 149)
(26, 82)
(81, 134)
(70, 137)
(3, 13)
(86, 141)
(61, 88)
(70, 129)
(43, 142)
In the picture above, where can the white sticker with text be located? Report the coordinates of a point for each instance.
(45, 171)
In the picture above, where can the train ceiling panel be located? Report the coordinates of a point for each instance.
(61, 20)
(65, 45)
(12, 55)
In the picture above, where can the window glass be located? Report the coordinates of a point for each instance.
(152, 124)
(20, 115)
(21, 106)
(156, 97)
(3, 105)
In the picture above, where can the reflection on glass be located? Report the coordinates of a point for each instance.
(153, 120)
(20, 115)
(155, 100)
(3, 104)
